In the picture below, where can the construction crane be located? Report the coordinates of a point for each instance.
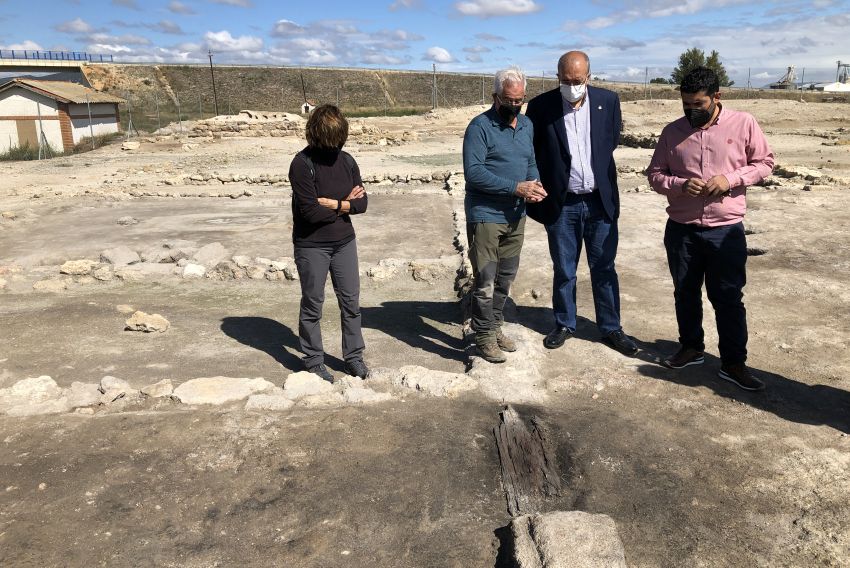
(788, 81)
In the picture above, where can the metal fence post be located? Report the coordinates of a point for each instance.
(91, 126)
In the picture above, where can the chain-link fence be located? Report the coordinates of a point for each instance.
(161, 95)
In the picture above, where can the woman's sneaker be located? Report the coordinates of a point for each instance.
(685, 357)
(357, 368)
(322, 371)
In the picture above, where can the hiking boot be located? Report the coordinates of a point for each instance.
(490, 352)
(322, 371)
(505, 343)
(684, 357)
(357, 368)
(621, 342)
(738, 374)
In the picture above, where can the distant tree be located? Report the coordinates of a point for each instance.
(694, 58)
(713, 63)
(659, 81)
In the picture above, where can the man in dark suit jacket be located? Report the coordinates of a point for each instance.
(576, 130)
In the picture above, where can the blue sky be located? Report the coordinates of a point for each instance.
(623, 37)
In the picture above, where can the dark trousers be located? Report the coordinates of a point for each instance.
(718, 256)
(494, 250)
(583, 221)
(313, 264)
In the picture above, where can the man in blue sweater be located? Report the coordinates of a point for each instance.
(501, 177)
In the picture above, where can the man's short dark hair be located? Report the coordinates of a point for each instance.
(327, 128)
(700, 79)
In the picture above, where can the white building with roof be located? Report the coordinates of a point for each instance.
(64, 112)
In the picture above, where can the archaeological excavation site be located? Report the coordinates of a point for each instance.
(155, 411)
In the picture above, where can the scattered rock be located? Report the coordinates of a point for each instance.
(125, 309)
(40, 395)
(211, 254)
(434, 383)
(268, 402)
(194, 271)
(109, 382)
(77, 267)
(144, 271)
(127, 221)
(816, 187)
(220, 390)
(225, 270)
(120, 256)
(131, 145)
(51, 285)
(140, 321)
(2, 283)
(324, 400)
(9, 215)
(162, 389)
(386, 268)
(103, 273)
(563, 539)
(82, 394)
(302, 384)
(431, 270)
(365, 396)
(257, 272)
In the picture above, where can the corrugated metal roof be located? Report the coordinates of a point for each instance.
(63, 91)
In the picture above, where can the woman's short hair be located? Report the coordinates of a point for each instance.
(327, 128)
(512, 75)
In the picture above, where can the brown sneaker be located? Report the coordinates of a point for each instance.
(738, 374)
(491, 352)
(684, 357)
(505, 343)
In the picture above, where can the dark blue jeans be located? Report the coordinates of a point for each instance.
(718, 256)
(583, 220)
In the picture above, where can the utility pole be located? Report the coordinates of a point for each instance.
(212, 74)
(434, 88)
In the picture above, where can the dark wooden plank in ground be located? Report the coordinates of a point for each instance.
(529, 470)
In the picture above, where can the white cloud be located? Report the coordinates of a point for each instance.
(166, 27)
(75, 26)
(762, 75)
(477, 49)
(490, 8)
(239, 3)
(401, 4)
(438, 55)
(319, 57)
(129, 39)
(223, 41)
(287, 27)
(490, 37)
(312, 43)
(474, 58)
(176, 7)
(24, 45)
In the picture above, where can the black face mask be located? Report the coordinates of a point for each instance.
(698, 117)
(509, 112)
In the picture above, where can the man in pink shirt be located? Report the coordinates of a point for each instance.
(703, 163)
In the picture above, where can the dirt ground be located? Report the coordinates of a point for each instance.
(693, 471)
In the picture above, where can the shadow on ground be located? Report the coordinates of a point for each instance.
(413, 323)
(272, 337)
(786, 398)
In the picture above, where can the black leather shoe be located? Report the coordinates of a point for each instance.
(557, 337)
(621, 342)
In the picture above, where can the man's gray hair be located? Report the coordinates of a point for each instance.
(512, 75)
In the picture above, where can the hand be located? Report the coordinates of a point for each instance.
(693, 187)
(329, 203)
(356, 193)
(716, 186)
(532, 191)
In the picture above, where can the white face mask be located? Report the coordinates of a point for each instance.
(573, 93)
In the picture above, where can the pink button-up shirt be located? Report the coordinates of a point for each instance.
(734, 147)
